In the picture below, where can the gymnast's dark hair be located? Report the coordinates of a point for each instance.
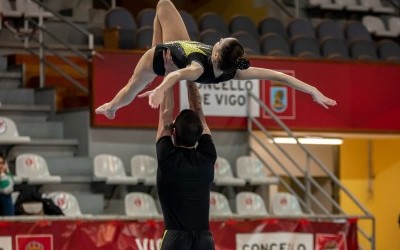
(188, 128)
(232, 57)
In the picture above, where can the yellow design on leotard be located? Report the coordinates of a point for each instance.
(190, 47)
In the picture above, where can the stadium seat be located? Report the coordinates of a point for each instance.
(389, 50)
(223, 175)
(272, 25)
(120, 29)
(285, 204)
(274, 45)
(305, 47)
(250, 205)
(144, 37)
(141, 206)
(219, 206)
(9, 132)
(334, 48)
(355, 30)
(210, 36)
(300, 27)
(109, 168)
(377, 6)
(328, 28)
(253, 171)
(376, 26)
(363, 50)
(191, 25)
(249, 43)
(66, 202)
(353, 5)
(212, 20)
(146, 17)
(144, 167)
(243, 23)
(30, 9)
(7, 10)
(325, 5)
(33, 169)
(393, 23)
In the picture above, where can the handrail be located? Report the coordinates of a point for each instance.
(252, 120)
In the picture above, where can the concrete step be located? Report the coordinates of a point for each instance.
(41, 129)
(10, 79)
(45, 147)
(71, 166)
(17, 96)
(24, 112)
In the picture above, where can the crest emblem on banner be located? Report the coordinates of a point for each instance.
(34, 242)
(278, 98)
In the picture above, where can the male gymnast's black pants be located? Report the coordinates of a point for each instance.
(187, 240)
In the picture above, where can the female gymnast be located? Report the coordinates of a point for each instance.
(192, 61)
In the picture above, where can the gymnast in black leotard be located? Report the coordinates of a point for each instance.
(192, 61)
(183, 53)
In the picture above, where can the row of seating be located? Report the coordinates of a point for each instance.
(375, 6)
(32, 169)
(141, 206)
(329, 39)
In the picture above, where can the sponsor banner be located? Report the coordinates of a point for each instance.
(34, 242)
(271, 241)
(5, 243)
(261, 234)
(225, 98)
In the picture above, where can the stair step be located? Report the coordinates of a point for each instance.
(71, 166)
(46, 148)
(41, 129)
(17, 96)
(21, 112)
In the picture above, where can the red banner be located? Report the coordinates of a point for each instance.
(368, 95)
(267, 234)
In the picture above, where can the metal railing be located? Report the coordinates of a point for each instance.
(38, 46)
(310, 181)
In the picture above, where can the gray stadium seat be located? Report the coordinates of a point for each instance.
(389, 50)
(144, 37)
(274, 45)
(210, 36)
(248, 41)
(328, 28)
(306, 47)
(300, 27)
(272, 25)
(334, 48)
(243, 23)
(212, 20)
(191, 24)
(120, 25)
(355, 30)
(146, 17)
(363, 50)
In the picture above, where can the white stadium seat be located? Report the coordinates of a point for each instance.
(144, 167)
(219, 206)
(110, 168)
(33, 168)
(253, 171)
(223, 175)
(285, 204)
(141, 206)
(9, 132)
(66, 202)
(250, 205)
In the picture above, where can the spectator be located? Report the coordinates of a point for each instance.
(6, 188)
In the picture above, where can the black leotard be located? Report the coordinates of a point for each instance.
(183, 54)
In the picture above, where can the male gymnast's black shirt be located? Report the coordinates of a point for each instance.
(184, 178)
(183, 54)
